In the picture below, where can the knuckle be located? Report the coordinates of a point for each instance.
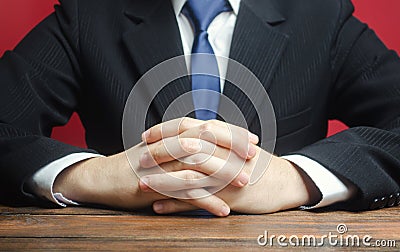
(180, 166)
(184, 143)
(190, 175)
(190, 178)
(185, 123)
(198, 159)
(190, 145)
(156, 152)
(159, 144)
(205, 127)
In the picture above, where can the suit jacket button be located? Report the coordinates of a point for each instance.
(383, 202)
(391, 200)
(397, 199)
(375, 204)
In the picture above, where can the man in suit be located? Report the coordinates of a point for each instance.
(315, 60)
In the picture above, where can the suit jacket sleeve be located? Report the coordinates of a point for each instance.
(366, 96)
(39, 89)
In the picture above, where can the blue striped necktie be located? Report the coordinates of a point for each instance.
(204, 67)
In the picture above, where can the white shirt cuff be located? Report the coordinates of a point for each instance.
(41, 183)
(332, 189)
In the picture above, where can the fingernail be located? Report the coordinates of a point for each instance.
(252, 150)
(225, 210)
(253, 137)
(243, 179)
(144, 159)
(158, 207)
(144, 184)
(145, 135)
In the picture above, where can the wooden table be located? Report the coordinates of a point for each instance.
(95, 229)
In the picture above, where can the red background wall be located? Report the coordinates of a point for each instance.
(17, 17)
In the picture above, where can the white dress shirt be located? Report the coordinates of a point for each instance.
(220, 34)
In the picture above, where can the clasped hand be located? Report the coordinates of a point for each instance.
(187, 164)
(201, 158)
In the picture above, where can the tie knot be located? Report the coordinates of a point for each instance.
(202, 12)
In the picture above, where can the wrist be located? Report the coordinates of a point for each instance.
(304, 191)
(107, 181)
(76, 182)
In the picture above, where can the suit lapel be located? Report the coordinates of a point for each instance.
(153, 38)
(257, 45)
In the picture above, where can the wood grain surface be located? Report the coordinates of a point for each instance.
(96, 229)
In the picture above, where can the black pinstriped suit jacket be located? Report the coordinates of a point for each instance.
(314, 59)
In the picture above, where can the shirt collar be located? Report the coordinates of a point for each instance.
(178, 5)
